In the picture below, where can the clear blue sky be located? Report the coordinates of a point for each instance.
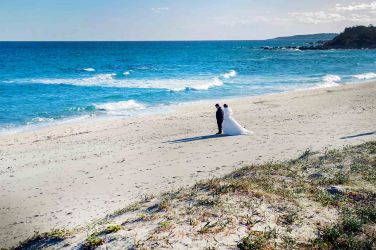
(177, 19)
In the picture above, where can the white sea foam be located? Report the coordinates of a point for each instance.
(109, 80)
(230, 74)
(366, 76)
(89, 69)
(120, 108)
(173, 84)
(100, 79)
(41, 119)
(40, 122)
(330, 81)
(202, 84)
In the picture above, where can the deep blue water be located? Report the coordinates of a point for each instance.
(52, 81)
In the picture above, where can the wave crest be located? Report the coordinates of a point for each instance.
(330, 81)
(202, 85)
(119, 108)
(41, 119)
(109, 80)
(230, 74)
(89, 69)
(98, 80)
(366, 76)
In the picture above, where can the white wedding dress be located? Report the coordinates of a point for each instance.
(230, 126)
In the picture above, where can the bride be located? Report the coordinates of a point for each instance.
(230, 125)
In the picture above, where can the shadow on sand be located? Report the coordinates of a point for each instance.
(198, 138)
(358, 135)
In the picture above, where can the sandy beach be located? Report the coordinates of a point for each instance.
(71, 174)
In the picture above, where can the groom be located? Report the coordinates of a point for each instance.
(219, 116)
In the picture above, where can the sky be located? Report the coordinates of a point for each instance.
(125, 20)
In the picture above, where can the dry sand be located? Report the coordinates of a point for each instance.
(68, 175)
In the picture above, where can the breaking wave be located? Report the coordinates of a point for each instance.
(330, 81)
(119, 108)
(230, 74)
(110, 80)
(97, 80)
(89, 69)
(111, 106)
(41, 119)
(366, 76)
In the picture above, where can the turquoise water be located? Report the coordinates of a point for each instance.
(44, 82)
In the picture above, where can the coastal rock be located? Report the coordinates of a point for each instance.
(335, 190)
(280, 48)
(316, 176)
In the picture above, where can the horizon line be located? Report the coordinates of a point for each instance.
(203, 40)
(177, 40)
(193, 40)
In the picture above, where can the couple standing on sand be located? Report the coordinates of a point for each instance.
(226, 122)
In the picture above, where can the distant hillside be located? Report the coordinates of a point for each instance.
(358, 37)
(316, 37)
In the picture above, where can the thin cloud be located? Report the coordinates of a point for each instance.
(362, 18)
(160, 9)
(247, 21)
(355, 12)
(357, 6)
(317, 17)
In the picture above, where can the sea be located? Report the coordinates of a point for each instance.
(47, 83)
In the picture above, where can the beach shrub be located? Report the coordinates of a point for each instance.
(367, 213)
(351, 224)
(92, 242)
(111, 229)
(44, 239)
(255, 241)
(164, 205)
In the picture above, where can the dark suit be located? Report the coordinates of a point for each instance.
(219, 116)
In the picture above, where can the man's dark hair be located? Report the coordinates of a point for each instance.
(217, 105)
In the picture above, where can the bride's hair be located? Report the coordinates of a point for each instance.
(225, 105)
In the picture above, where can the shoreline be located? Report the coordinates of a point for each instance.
(71, 174)
(149, 111)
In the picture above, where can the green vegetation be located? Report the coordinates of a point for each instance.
(164, 205)
(258, 240)
(130, 208)
(92, 242)
(45, 239)
(95, 239)
(110, 229)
